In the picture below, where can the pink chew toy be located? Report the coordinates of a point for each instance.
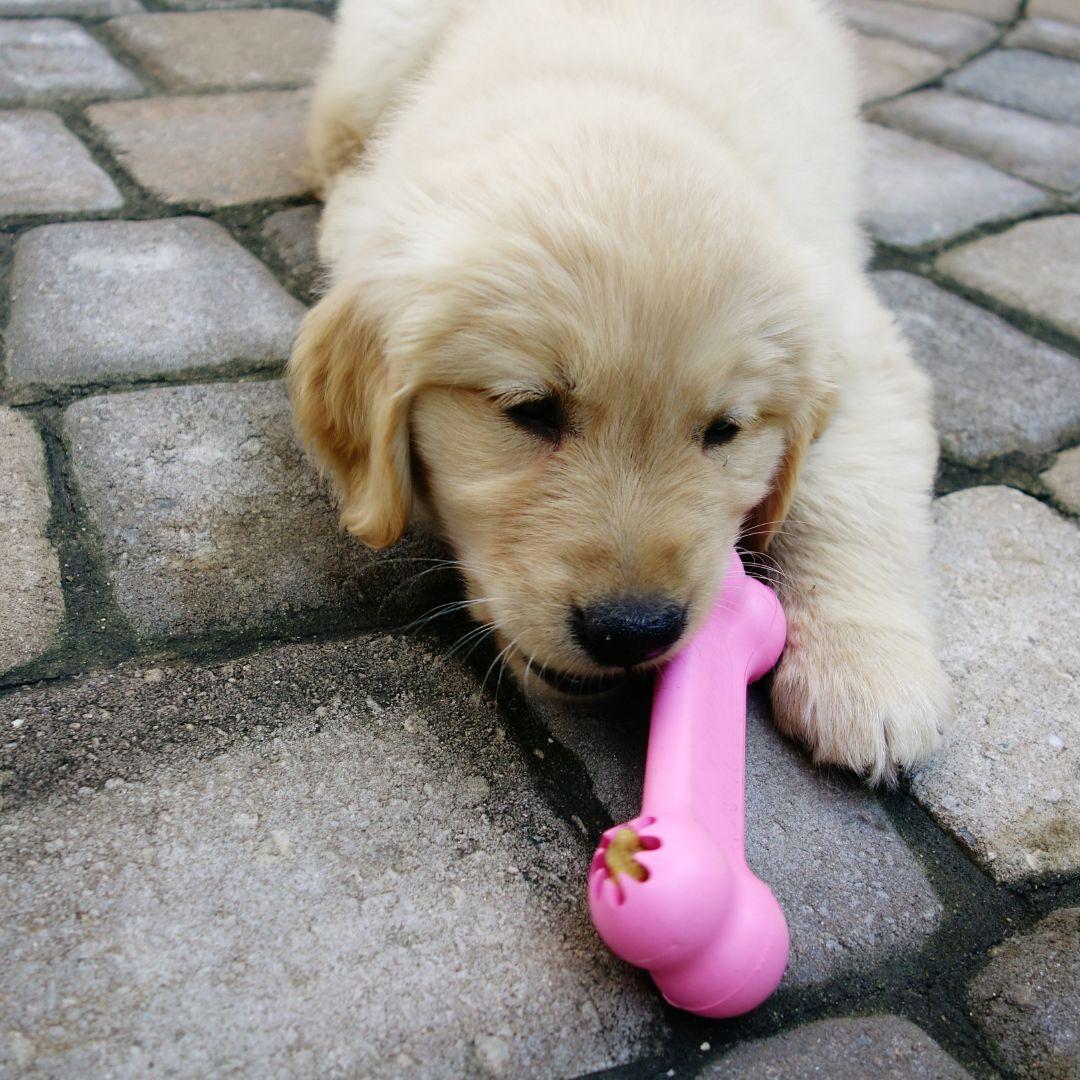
(670, 891)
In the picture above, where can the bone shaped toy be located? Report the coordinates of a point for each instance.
(670, 891)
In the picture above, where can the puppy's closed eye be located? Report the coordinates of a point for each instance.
(720, 432)
(543, 417)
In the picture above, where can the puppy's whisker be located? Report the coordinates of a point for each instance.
(476, 635)
(498, 657)
(447, 609)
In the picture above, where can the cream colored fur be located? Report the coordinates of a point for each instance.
(650, 210)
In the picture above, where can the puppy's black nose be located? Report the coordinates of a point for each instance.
(620, 631)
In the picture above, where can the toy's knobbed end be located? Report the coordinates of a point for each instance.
(619, 855)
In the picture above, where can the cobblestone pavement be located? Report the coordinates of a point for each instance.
(250, 825)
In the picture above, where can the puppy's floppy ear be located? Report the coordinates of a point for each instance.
(352, 416)
(764, 521)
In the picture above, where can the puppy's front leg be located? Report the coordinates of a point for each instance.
(859, 681)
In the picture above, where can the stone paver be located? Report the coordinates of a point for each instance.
(31, 603)
(852, 1048)
(1032, 267)
(212, 521)
(1047, 35)
(45, 60)
(233, 50)
(1066, 10)
(93, 301)
(1045, 151)
(1028, 998)
(358, 879)
(947, 33)
(68, 7)
(852, 892)
(45, 169)
(222, 149)
(293, 237)
(1063, 479)
(1035, 406)
(1045, 85)
(917, 194)
(1008, 587)
(998, 10)
(888, 67)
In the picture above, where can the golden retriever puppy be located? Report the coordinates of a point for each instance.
(597, 309)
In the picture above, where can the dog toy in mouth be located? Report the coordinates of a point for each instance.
(670, 891)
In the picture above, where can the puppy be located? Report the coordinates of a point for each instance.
(597, 309)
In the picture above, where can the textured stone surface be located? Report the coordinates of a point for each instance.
(1066, 10)
(292, 236)
(1031, 267)
(222, 149)
(917, 194)
(947, 33)
(888, 67)
(851, 1048)
(1044, 85)
(44, 60)
(31, 604)
(354, 878)
(1047, 35)
(45, 169)
(1028, 998)
(852, 892)
(212, 521)
(202, 5)
(68, 7)
(998, 10)
(235, 50)
(121, 299)
(1035, 403)
(1005, 783)
(1063, 479)
(1045, 151)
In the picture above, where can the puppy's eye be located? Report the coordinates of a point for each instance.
(720, 431)
(540, 416)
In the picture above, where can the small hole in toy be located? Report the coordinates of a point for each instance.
(619, 856)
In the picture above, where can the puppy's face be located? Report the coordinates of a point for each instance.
(591, 434)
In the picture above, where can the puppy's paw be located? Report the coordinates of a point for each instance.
(871, 699)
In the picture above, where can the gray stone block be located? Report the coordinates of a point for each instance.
(292, 234)
(31, 603)
(887, 67)
(1028, 998)
(1045, 151)
(325, 857)
(69, 7)
(998, 10)
(1008, 588)
(997, 392)
(850, 1048)
(213, 522)
(1047, 35)
(947, 33)
(852, 892)
(1063, 479)
(1065, 10)
(222, 149)
(1045, 85)
(918, 195)
(96, 301)
(1032, 268)
(227, 50)
(44, 169)
(44, 60)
